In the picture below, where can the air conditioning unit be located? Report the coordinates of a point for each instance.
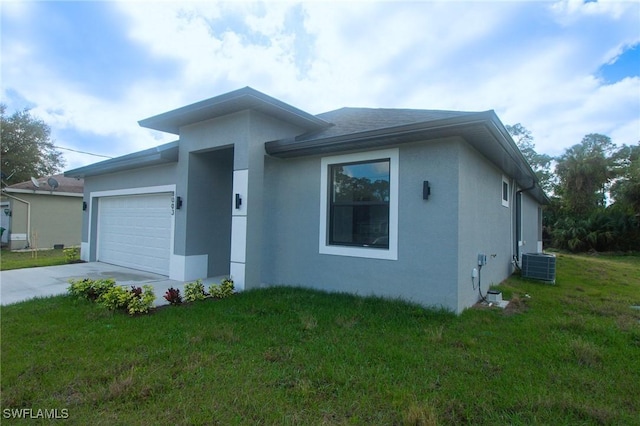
(539, 266)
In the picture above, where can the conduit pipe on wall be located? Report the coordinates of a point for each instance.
(28, 216)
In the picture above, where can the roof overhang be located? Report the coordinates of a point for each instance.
(163, 154)
(482, 130)
(41, 192)
(229, 103)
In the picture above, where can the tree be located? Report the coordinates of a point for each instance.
(625, 191)
(26, 147)
(540, 163)
(583, 173)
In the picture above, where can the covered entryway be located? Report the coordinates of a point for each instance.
(136, 231)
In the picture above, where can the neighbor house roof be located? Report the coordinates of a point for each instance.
(50, 185)
(238, 100)
(162, 154)
(365, 128)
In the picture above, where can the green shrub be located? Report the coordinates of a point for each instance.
(608, 229)
(222, 290)
(194, 291)
(135, 300)
(90, 289)
(117, 297)
(141, 300)
(71, 254)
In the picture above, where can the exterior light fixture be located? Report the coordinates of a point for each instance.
(178, 203)
(426, 190)
(7, 212)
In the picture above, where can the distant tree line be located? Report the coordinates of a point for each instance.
(594, 190)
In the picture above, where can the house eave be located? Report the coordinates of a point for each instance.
(163, 154)
(40, 192)
(229, 103)
(294, 147)
(482, 130)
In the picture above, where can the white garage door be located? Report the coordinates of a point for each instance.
(135, 231)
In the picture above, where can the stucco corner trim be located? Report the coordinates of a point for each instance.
(84, 252)
(237, 272)
(188, 268)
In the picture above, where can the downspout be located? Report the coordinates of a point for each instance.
(518, 218)
(28, 215)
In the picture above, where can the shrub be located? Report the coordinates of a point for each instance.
(71, 254)
(173, 296)
(194, 291)
(90, 289)
(222, 290)
(608, 229)
(141, 300)
(117, 297)
(135, 300)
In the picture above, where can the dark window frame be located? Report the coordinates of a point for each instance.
(332, 205)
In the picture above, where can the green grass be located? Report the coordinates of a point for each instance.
(561, 354)
(17, 260)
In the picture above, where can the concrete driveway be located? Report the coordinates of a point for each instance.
(18, 285)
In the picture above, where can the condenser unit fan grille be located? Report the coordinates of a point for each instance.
(539, 266)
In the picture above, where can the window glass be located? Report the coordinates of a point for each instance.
(359, 204)
(505, 192)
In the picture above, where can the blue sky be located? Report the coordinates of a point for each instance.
(91, 70)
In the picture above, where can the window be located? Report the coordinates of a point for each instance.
(505, 191)
(359, 205)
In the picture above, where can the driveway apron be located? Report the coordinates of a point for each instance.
(18, 285)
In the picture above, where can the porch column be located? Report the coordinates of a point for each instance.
(239, 228)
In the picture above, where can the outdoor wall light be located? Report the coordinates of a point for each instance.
(178, 203)
(84, 206)
(238, 201)
(7, 212)
(426, 190)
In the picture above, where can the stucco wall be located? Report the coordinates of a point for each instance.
(485, 226)
(425, 271)
(18, 238)
(531, 225)
(207, 206)
(243, 135)
(55, 219)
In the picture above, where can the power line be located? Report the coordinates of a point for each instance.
(82, 152)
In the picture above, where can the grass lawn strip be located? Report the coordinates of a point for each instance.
(28, 259)
(566, 354)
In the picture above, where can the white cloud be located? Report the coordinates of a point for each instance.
(534, 63)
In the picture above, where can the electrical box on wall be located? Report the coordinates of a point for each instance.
(482, 259)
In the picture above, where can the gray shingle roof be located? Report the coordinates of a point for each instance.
(354, 120)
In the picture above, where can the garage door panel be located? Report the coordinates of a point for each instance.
(135, 231)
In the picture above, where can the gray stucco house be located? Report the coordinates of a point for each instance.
(391, 202)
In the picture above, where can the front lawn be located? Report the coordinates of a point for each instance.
(28, 259)
(561, 354)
